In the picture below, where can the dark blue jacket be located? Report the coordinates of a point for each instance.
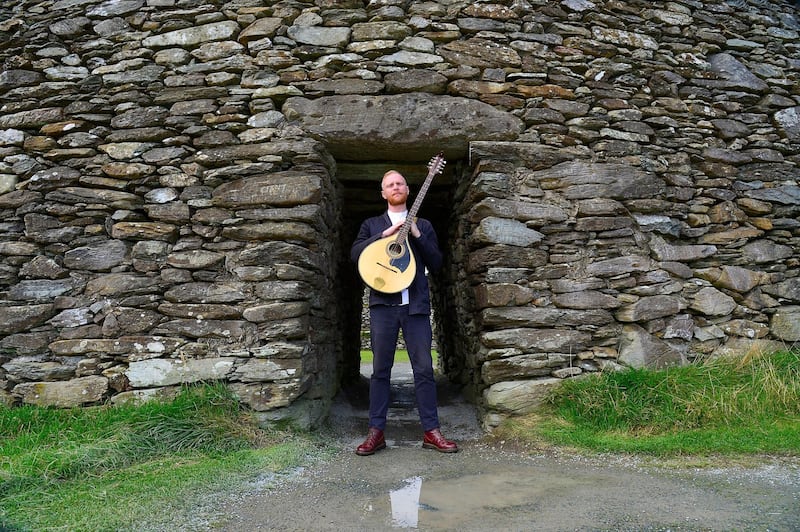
(426, 252)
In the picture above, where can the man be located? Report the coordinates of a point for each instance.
(408, 310)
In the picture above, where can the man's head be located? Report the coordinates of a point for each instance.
(394, 189)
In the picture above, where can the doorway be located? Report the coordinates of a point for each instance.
(360, 185)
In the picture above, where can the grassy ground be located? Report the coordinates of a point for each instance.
(724, 406)
(114, 468)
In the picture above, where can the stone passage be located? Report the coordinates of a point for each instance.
(180, 182)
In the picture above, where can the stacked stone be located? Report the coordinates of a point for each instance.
(159, 226)
(654, 221)
(170, 209)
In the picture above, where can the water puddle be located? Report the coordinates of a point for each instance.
(448, 503)
(545, 498)
(405, 504)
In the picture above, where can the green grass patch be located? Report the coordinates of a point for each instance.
(725, 405)
(401, 355)
(114, 468)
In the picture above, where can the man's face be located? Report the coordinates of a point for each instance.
(394, 189)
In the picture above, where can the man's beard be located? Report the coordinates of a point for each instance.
(394, 200)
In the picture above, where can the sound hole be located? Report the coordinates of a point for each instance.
(394, 250)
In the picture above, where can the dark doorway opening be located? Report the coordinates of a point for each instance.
(360, 182)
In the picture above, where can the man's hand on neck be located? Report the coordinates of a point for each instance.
(393, 229)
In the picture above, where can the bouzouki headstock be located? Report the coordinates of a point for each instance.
(436, 165)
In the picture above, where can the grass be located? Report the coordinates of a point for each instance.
(115, 468)
(401, 355)
(748, 405)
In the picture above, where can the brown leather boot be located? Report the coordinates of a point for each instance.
(373, 443)
(434, 440)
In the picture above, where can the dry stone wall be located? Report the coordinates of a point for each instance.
(626, 189)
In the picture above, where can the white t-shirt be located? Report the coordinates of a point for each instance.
(397, 217)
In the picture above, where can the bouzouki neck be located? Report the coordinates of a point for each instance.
(435, 166)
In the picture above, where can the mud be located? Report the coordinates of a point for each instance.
(491, 485)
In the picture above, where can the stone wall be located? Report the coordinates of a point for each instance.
(180, 182)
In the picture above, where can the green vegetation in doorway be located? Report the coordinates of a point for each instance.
(401, 355)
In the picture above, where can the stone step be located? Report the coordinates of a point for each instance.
(350, 412)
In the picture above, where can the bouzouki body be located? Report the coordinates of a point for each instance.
(388, 265)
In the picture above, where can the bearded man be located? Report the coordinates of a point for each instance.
(408, 310)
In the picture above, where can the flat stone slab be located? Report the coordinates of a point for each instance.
(413, 126)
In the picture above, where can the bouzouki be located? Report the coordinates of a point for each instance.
(387, 265)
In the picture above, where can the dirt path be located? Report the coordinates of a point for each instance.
(491, 486)
(487, 488)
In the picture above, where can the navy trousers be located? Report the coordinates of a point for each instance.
(386, 321)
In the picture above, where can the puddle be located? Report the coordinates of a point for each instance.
(553, 498)
(405, 504)
(449, 503)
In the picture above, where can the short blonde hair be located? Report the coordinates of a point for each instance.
(390, 172)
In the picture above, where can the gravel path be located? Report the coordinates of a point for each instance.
(489, 485)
